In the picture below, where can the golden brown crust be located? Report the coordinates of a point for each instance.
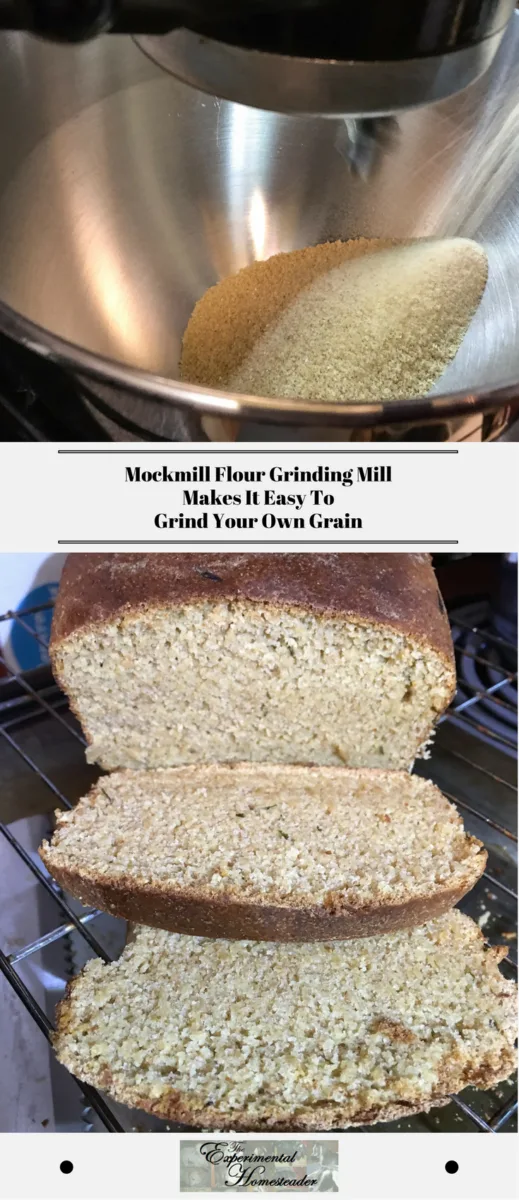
(208, 915)
(396, 591)
(324, 1117)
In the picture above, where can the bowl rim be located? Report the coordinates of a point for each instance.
(215, 402)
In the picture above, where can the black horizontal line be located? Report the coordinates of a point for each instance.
(250, 542)
(241, 450)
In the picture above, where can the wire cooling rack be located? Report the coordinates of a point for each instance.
(473, 761)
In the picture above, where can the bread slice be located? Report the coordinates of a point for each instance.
(266, 852)
(253, 1035)
(334, 659)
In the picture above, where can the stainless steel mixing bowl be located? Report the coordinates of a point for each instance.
(124, 195)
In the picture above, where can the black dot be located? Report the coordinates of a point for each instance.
(66, 1167)
(451, 1167)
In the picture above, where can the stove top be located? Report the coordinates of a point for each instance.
(487, 678)
(41, 401)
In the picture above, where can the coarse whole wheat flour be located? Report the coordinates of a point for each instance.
(366, 320)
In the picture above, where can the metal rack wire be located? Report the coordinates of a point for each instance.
(468, 716)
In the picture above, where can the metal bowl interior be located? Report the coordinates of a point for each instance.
(124, 195)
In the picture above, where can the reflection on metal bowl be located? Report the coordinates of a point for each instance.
(125, 194)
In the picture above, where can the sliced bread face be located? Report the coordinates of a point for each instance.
(249, 1036)
(333, 659)
(266, 852)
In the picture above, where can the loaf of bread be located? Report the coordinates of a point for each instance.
(232, 1035)
(268, 852)
(285, 658)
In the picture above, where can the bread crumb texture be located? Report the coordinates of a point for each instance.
(248, 1035)
(366, 320)
(328, 837)
(233, 681)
